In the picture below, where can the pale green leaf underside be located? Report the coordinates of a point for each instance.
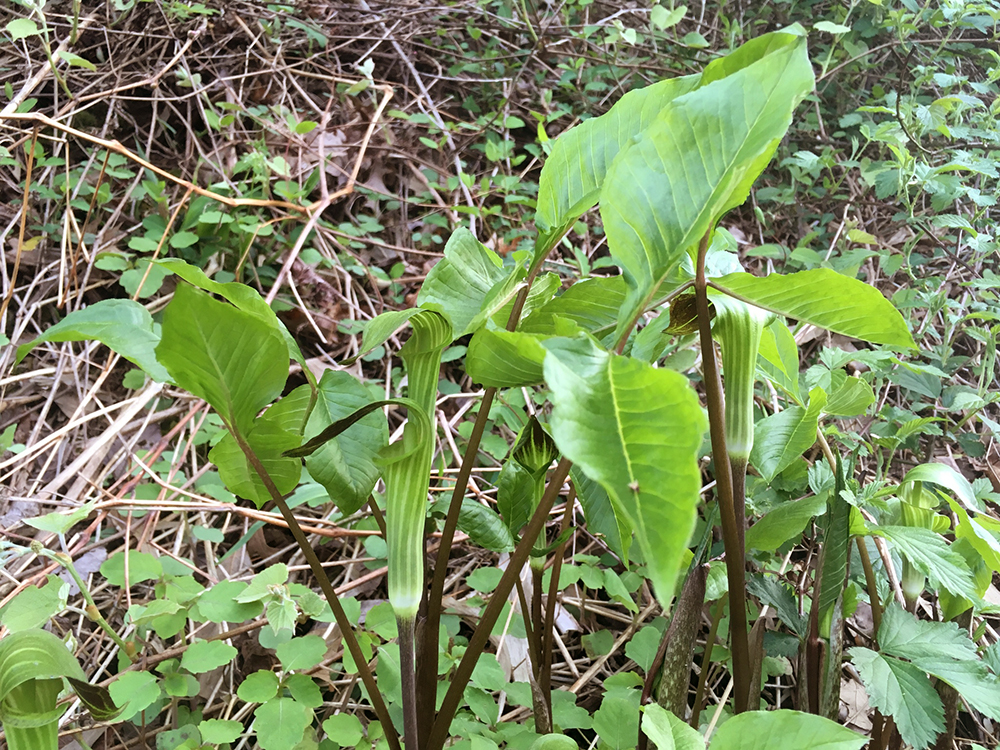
(826, 299)
(636, 430)
(782, 437)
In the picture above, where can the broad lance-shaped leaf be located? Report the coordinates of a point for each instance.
(458, 284)
(826, 299)
(636, 430)
(230, 358)
(278, 429)
(571, 178)
(244, 297)
(124, 326)
(408, 464)
(345, 465)
(508, 359)
(696, 161)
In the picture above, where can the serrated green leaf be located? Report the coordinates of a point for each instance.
(281, 723)
(204, 656)
(932, 556)
(902, 691)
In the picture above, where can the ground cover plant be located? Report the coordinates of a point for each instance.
(675, 429)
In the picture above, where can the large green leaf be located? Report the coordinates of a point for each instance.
(697, 160)
(850, 399)
(947, 477)
(778, 358)
(458, 284)
(244, 297)
(229, 358)
(571, 178)
(345, 465)
(826, 299)
(591, 303)
(636, 430)
(784, 730)
(124, 326)
(782, 437)
(275, 431)
(904, 692)
(382, 326)
(508, 359)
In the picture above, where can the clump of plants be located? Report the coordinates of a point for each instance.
(627, 434)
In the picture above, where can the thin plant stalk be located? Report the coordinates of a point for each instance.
(346, 629)
(735, 564)
(545, 675)
(439, 731)
(706, 661)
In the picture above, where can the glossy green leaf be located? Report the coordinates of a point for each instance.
(637, 431)
(515, 495)
(668, 732)
(124, 326)
(784, 522)
(33, 606)
(591, 303)
(382, 327)
(505, 359)
(696, 161)
(782, 437)
(600, 514)
(904, 692)
(784, 730)
(542, 289)
(571, 178)
(458, 284)
(826, 299)
(229, 358)
(345, 465)
(947, 477)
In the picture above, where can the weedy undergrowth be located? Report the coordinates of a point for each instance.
(664, 165)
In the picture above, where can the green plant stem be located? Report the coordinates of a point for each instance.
(316, 566)
(735, 564)
(406, 627)
(377, 515)
(92, 611)
(439, 731)
(706, 660)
